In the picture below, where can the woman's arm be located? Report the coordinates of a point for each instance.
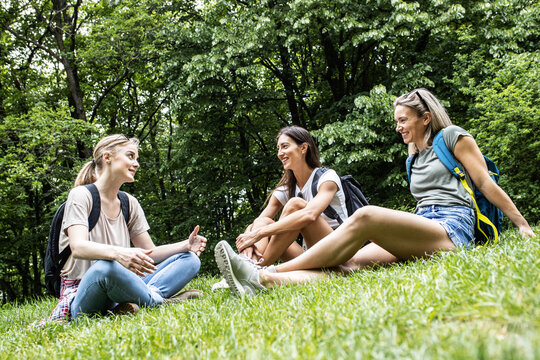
(271, 209)
(133, 259)
(195, 243)
(468, 153)
(266, 217)
(295, 221)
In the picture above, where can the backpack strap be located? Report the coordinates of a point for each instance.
(96, 206)
(329, 211)
(409, 164)
(450, 162)
(93, 217)
(124, 204)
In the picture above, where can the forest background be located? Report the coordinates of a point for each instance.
(206, 85)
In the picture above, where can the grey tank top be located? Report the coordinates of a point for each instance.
(432, 183)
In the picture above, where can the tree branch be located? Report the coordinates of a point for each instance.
(106, 92)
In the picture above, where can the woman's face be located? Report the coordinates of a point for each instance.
(411, 127)
(123, 162)
(289, 153)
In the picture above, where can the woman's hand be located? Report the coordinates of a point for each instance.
(525, 231)
(250, 251)
(136, 260)
(246, 239)
(197, 243)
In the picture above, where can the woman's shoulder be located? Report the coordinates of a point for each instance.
(451, 135)
(329, 173)
(80, 193)
(454, 130)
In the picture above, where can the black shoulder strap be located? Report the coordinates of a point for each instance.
(92, 221)
(96, 206)
(329, 211)
(315, 182)
(124, 204)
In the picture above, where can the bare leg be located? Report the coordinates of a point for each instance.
(270, 280)
(369, 256)
(361, 260)
(284, 246)
(289, 253)
(401, 234)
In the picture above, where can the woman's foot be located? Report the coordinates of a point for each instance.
(241, 275)
(183, 296)
(220, 285)
(125, 308)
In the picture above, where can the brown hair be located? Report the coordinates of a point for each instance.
(300, 136)
(90, 171)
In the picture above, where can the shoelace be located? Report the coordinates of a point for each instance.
(251, 261)
(269, 268)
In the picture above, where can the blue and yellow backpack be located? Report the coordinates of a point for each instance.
(488, 216)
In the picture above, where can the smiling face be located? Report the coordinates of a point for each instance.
(411, 127)
(123, 163)
(289, 153)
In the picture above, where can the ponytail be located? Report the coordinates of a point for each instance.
(87, 175)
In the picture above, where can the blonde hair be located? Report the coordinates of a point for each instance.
(90, 171)
(423, 101)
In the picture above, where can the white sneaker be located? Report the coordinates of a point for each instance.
(220, 285)
(241, 275)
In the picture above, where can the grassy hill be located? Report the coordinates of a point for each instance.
(480, 304)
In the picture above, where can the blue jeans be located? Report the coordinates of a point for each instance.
(107, 283)
(458, 221)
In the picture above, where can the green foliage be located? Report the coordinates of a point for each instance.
(207, 85)
(36, 158)
(367, 146)
(462, 305)
(505, 120)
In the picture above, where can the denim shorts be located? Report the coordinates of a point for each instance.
(458, 221)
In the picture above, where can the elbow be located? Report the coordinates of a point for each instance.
(311, 216)
(76, 251)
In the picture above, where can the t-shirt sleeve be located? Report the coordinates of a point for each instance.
(137, 220)
(281, 194)
(451, 135)
(329, 175)
(77, 208)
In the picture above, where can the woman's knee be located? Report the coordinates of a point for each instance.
(364, 216)
(367, 212)
(294, 204)
(104, 267)
(192, 263)
(259, 222)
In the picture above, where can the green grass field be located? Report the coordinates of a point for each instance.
(480, 304)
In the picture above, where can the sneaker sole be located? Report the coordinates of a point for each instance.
(224, 265)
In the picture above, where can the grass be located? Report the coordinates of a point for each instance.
(480, 304)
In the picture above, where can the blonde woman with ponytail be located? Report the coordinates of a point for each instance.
(103, 270)
(443, 220)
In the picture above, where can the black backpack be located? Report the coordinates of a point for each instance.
(354, 199)
(55, 261)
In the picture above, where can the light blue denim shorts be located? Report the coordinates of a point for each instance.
(458, 221)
